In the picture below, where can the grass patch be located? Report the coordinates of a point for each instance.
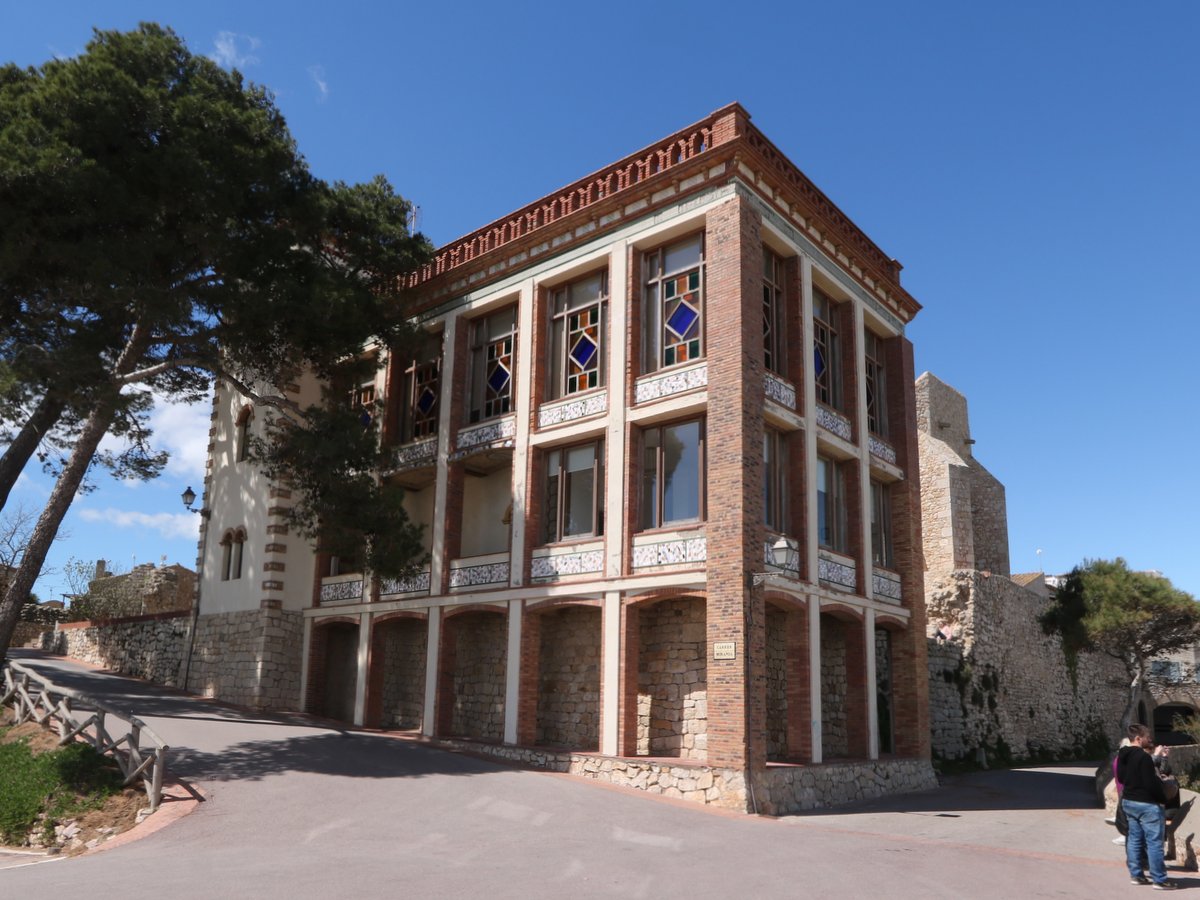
(52, 785)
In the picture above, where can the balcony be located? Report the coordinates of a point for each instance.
(401, 588)
(340, 590)
(885, 585)
(669, 549)
(837, 571)
(492, 570)
(550, 564)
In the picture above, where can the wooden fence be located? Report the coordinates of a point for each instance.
(140, 753)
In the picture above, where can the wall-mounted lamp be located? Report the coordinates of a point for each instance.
(781, 555)
(189, 497)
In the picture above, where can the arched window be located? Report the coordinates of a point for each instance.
(241, 435)
(232, 545)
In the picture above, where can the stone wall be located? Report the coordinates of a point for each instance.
(568, 713)
(403, 688)
(149, 647)
(673, 680)
(1001, 690)
(776, 669)
(251, 658)
(479, 673)
(834, 684)
(781, 790)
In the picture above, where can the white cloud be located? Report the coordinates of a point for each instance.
(233, 50)
(317, 73)
(169, 525)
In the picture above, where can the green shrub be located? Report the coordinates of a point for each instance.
(68, 780)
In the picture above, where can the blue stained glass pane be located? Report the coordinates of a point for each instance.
(498, 379)
(819, 360)
(426, 400)
(682, 320)
(583, 351)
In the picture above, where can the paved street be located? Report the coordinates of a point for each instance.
(300, 811)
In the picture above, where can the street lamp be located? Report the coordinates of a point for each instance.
(189, 497)
(781, 555)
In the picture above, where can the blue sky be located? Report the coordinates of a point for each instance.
(1034, 166)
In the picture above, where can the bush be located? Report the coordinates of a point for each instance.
(64, 781)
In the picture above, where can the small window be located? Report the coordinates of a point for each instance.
(775, 481)
(241, 436)
(493, 360)
(882, 551)
(672, 474)
(831, 505)
(361, 398)
(673, 331)
(826, 352)
(574, 495)
(876, 385)
(774, 339)
(577, 335)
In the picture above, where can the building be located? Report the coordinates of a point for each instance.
(663, 438)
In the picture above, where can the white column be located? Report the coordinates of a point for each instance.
(614, 444)
(810, 525)
(512, 676)
(814, 673)
(864, 453)
(433, 647)
(445, 399)
(305, 651)
(869, 675)
(360, 684)
(523, 395)
(610, 690)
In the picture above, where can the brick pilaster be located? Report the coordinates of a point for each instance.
(799, 699)
(530, 679)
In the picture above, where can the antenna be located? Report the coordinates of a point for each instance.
(414, 218)
(1041, 568)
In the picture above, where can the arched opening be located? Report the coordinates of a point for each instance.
(397, 681)
(568, 700)
(672, 700)
(1165, 731)
(843, 687)
(473, 660)
(333, 671)
(787, 695)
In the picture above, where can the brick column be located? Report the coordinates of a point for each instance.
(433, 681)
(628, 677)
(376, 663)
(447, 661)
(529, 675)
(735, 612)
(856, 689)
(454, 400)
(910, 676)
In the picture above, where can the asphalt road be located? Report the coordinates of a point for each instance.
(298, 811)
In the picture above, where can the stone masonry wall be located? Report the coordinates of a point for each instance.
(673, 680)
(568, 712)
(149, 647)
(1001, 687)
(251, 658)
(776, 713)
(403, 700)
(479, 677)
(834, 737)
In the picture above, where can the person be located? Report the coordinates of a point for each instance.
(1142, 800)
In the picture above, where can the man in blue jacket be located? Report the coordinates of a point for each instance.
(1143, 800)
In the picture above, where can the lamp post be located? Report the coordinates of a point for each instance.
(189, 497)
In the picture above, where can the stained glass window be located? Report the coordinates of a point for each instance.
(674, 309)
(493, 361)
(876, 386)
(578, 331)
(826, 368)
(773, 306)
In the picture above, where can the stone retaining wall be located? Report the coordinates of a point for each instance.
(149, 647)
(1000, 690)
(478, 682)
(673, 680)
(780, 790)
(568, 713)
(251, 658)
(403, 687)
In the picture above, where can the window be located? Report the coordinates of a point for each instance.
(493, 356)
(826, 353)
(876, 385)
(831, 505)
(882, 551)
(362, 398)
(231, 554)
(577, 334)
(775, 481)
(241, 437)
(574, 495)
(674, 304)
(422, 389)
(774, 338)
(672, 474)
